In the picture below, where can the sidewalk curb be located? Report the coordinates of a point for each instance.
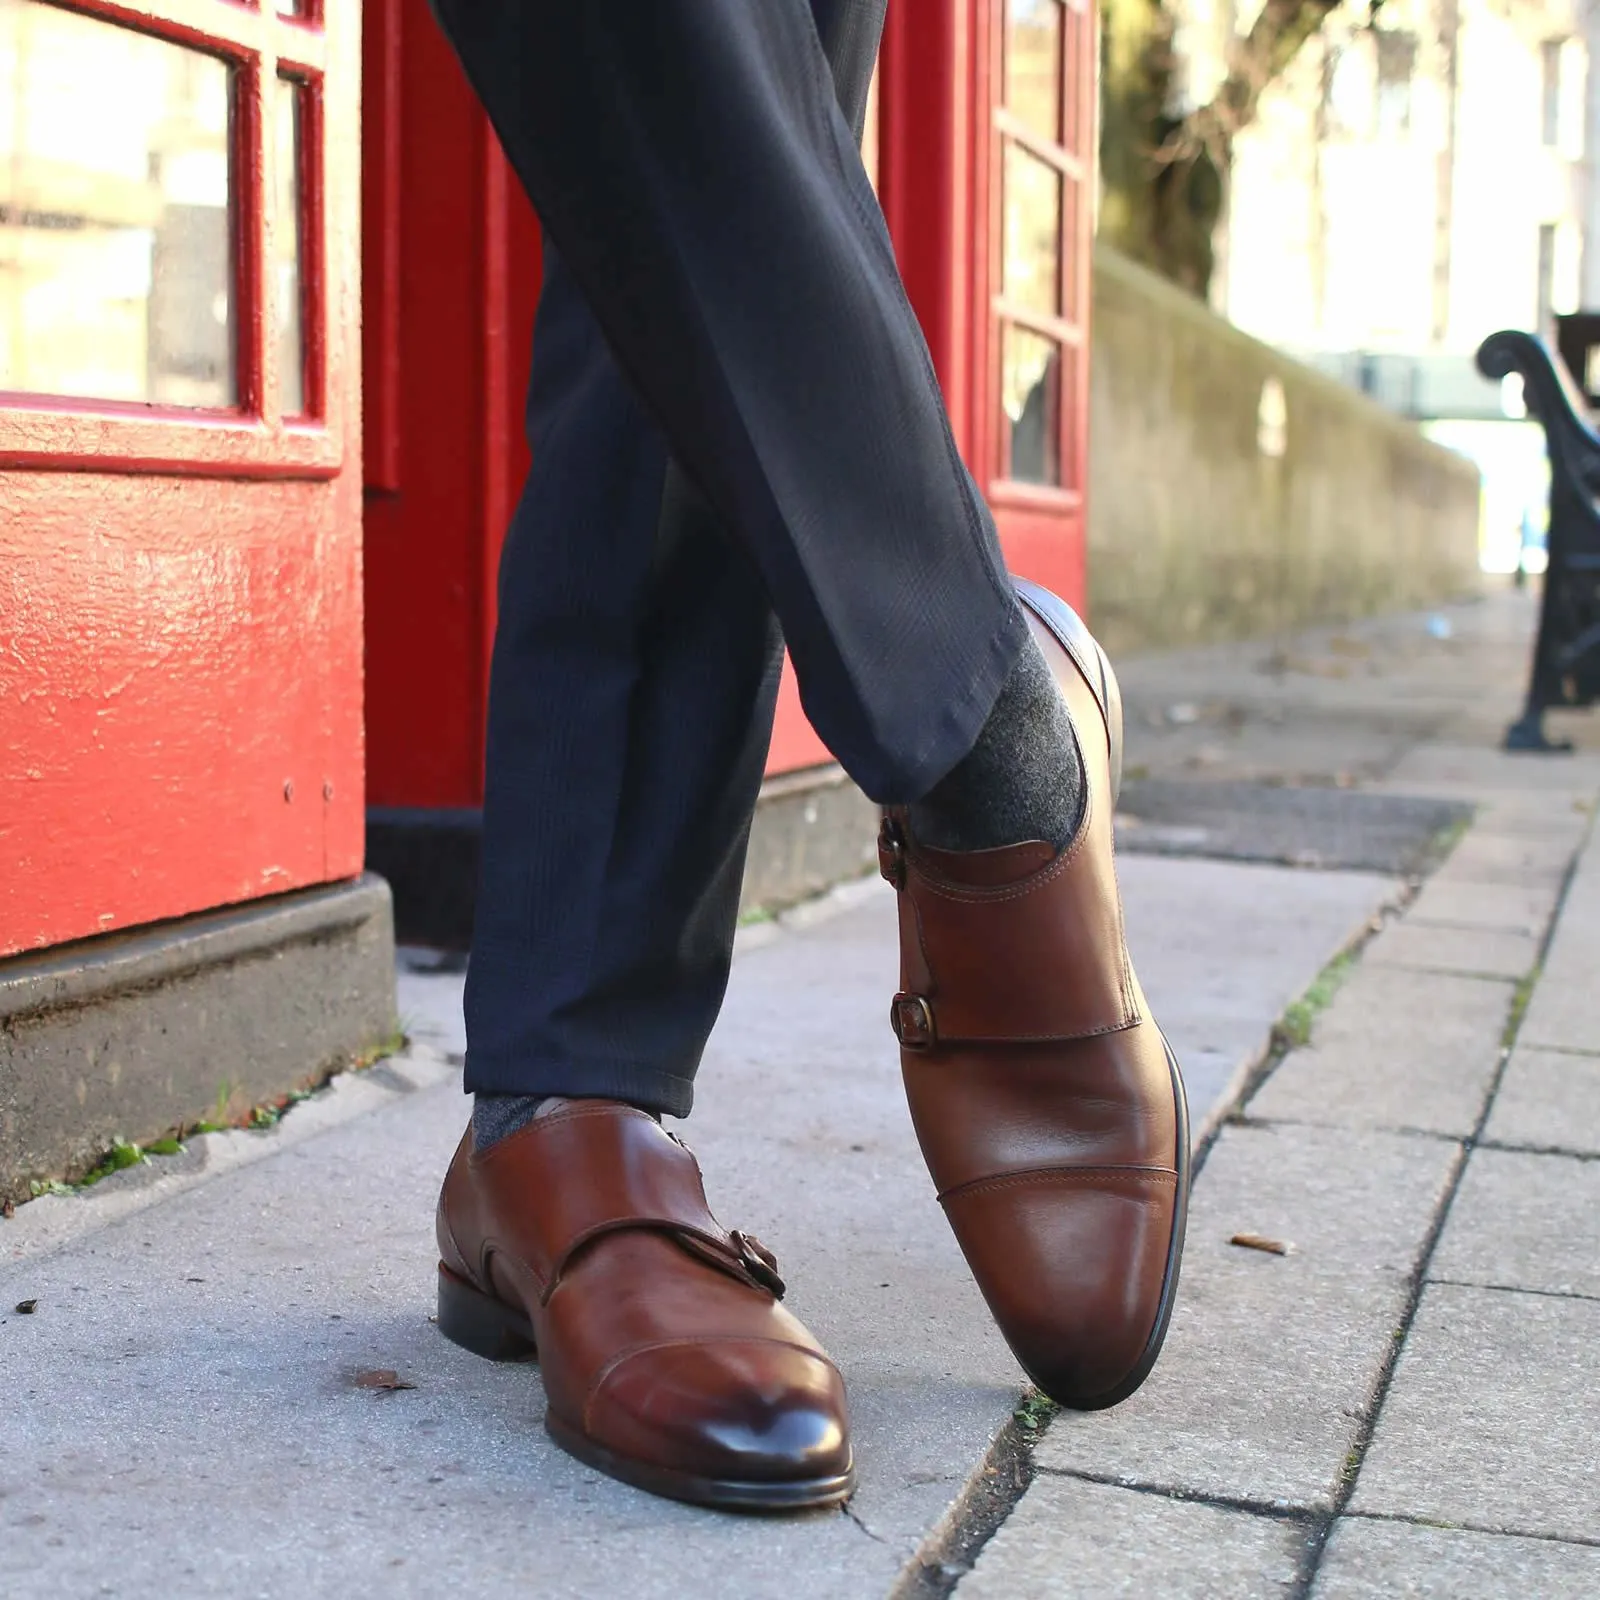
(52, 1221)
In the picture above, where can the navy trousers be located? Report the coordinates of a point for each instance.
(738, 441)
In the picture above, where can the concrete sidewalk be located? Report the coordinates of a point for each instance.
(185, 1413)
(188, 1383)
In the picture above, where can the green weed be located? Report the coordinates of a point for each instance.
(1293, 1029)
(1520, 996)
(1033, 1412)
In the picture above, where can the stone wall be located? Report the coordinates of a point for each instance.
(1234, 492)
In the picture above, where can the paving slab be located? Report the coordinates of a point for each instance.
(1069, 1537)
(1565, 1010)
(1558, 819)
(1272, 1360)
(1524, 1221)
(1549, 1100)
(1222, 949)
(1496, 858)
(55, 1221)
(1439, 766)
(1308, 827)
(244, 1310)
(191, 1362)
(1395, 1049)
(1506, 908)
(1371, 1560)
(1472, 951)
(1492, 1416)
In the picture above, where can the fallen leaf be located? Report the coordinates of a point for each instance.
(8, 1209)
(383, 1378)
(26, 1308)
(1256, 1241)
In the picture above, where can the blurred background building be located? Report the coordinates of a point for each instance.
(1418, 176)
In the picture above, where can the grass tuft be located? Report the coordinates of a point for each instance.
(1520, 996)
(124, 1153)
(1033, 1411)
(1293, 1030)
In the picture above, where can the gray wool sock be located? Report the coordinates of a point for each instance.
(1021, 779)
(498, 1116)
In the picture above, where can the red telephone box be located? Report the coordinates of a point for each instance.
(180, 536)
(982, 139)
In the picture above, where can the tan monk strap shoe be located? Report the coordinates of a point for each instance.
(1049, 1107)
(584, 1239)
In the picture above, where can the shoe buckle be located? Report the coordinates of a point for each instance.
(892, 853)
(758, 1261)
(911, 1017)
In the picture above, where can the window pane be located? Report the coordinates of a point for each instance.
(1032, 232)
(1030, 394)
(288, 115)
(1033, 64)
(116, 256)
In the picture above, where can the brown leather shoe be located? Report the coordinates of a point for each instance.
(1048, 1105)
(585, 1239)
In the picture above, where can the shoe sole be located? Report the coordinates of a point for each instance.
(498, 1332)
(1073, 635)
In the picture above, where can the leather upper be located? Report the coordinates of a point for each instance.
(659, 1332)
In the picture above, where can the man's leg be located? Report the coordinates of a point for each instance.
(693, 167)
(635, 668)
(634, 674)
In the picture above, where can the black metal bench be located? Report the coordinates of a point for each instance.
(1566, 653)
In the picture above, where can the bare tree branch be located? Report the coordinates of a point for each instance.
(1274, 40)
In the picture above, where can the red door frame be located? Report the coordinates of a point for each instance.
(1042, 529)
(180, 623)
(941, 193)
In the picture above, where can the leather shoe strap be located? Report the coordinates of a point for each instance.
(606, 1168)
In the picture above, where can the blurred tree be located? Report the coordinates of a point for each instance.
(1165, 172)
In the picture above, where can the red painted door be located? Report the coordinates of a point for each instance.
(451, 256)
(180, 519)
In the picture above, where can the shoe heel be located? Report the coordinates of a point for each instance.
(480, 1323)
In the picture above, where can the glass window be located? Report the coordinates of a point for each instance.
(288, 275)
(116, 249)
(1030, 395)
(1033, 64)
(1032, 238)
